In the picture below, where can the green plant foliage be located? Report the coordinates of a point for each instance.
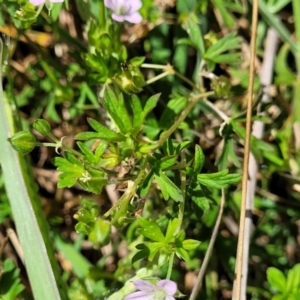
(143, 113)
(288, 287)
(10, 283)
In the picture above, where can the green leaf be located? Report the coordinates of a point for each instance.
(101, 232)
(258, 147)
(137, 61)
(146, 184)
(66, 180)
(172, 227)
(229, 42)
(167, 161)
(69, 164)
(10, 283)
(137, 110)
(154, 248)
(195, 34)
(80, 265)
(168, 147)
(168, 188)
(273, 21)
(201, 203)
(88, 153)
(199, 159)
(190, 244)
(141, 255)
(93, 180)
(150, 104)
(105, 133)
(182, 146)
(151, 230)
(293, 279)
(174, 107)
(277, 279)
(182, 253)
(117, 109)
(218, 180)
(227, 153)
(284, 75)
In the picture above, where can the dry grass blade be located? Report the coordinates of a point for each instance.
(240, 250)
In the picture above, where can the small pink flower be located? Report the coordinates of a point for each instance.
(164, 290)
(39, 2)
(125, 10)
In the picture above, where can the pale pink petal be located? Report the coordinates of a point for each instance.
(134, 18)
(134, 5)
(169, 298)
(37, 2)
(117, 18)
(144, 286)
(109, 4)
(169, 286)
(139, 296)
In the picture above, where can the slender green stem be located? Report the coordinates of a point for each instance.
(153, 66)
(183, 78)
(181, 118)
(71, 150)
(46, 144)
(160, 76)
(59, 145)
(130, 192)
(170, 268)
(53, 137)
(102, 17)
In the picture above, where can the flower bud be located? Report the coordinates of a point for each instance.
(42, 126)
(23, 142)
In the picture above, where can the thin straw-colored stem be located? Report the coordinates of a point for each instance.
(257, 131)
(240, 249)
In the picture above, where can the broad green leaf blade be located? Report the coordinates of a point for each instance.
(284, 75)
(140, 255)
(28, 216)
(146, 184)
(168, 188)
(199, 159)
(227, 154)
(151, 230)
(167, 161)
(220, 181)
(103, 132)
(79, 263)
(150, 104)
(182, 253)
(293, 279)
(107, 135)
(117, 109)
(190, 244)
(172, 227)
(277, 279)
(154, 248)
(229, 42)
(137, 110)
(195, 34)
